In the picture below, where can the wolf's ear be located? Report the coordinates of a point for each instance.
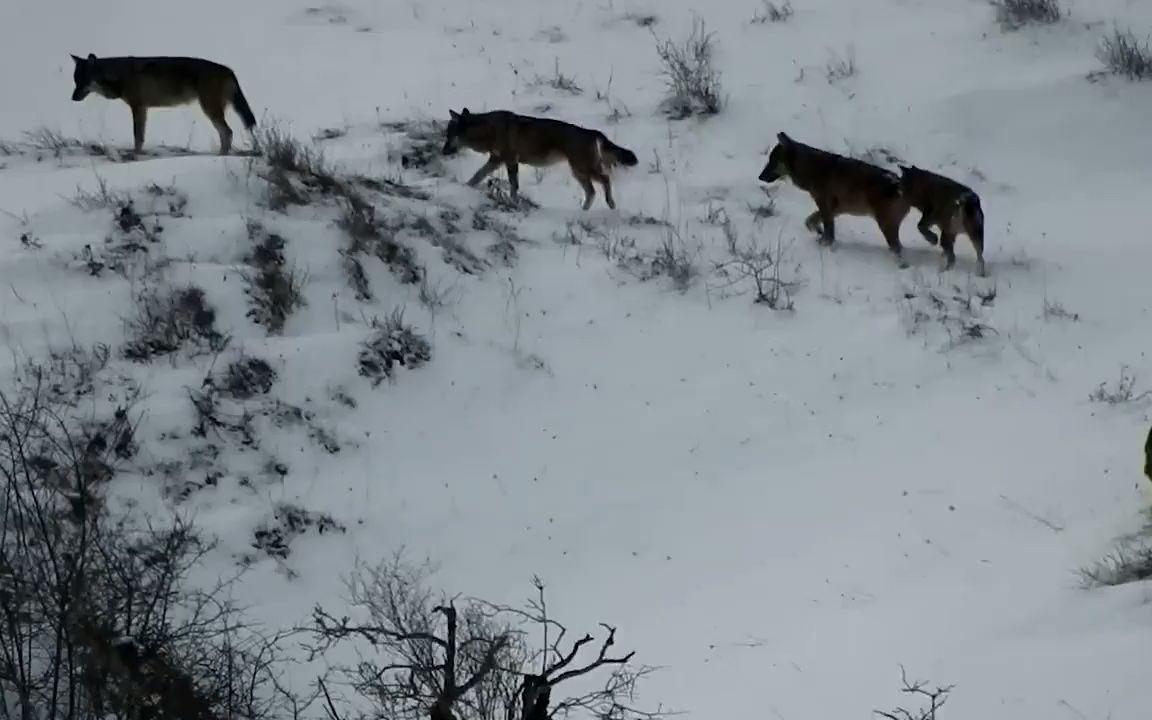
(465, 113)
(783, 138)
(76, 59)
(454, 115)
(91, 57)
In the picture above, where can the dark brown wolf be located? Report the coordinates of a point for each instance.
(840, 186)
(951, 206)
(511, 139)
(147, 82)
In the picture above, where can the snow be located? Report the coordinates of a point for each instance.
(777, 508)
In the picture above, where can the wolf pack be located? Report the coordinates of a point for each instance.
(838, 185)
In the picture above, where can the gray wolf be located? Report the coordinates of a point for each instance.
(511, 139)
(950, 206)
(840, 185)
(148, 82)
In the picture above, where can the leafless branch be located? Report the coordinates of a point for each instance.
(935, 697)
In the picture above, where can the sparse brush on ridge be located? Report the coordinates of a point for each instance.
(1015, 14)
(693, 82)
(292, 169)
(1126, 55)
(274, 289)
(169, 319)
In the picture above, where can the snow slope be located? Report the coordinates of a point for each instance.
(795, 502)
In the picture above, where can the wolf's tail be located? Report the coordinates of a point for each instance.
(973, 213)
(615, 154)
(240, 105)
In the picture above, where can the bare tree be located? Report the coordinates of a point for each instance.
(423, 658)
(431, 657)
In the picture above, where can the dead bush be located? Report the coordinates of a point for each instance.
(275, 290)
(1125, 55)
(1015, 14)
(392, 342)
(169, 319)
(369, 234)
(693, 82)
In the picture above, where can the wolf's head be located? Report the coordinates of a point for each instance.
(779, 163)
(88, 78)
(458, 124)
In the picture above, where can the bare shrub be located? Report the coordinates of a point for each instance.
(274, 289)
(770, 12)
(1015, 14)
(1055, 310)
(102, 198)
(693, 82)
(935, 698)
(1120, 391)
(369, 234)
(840, 67)
(748, 262)
(766, 209)
(673, 260)
(1124, 54)
(274, 537)
(169, 319)
(958, 311)
(45, 142)
(670, 259)
(421, 146)
(644, 20)
(1130, 562)
(436, 658)
(392, 342)
(136, 224)
(245, 377)
(293, 170)
(557, 81)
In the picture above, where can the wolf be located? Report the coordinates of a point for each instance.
(840, 186)
(1148, 456)
(951, 206)
(147, 82)
(511, 139)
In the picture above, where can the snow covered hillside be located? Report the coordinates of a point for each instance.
(777, 500)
